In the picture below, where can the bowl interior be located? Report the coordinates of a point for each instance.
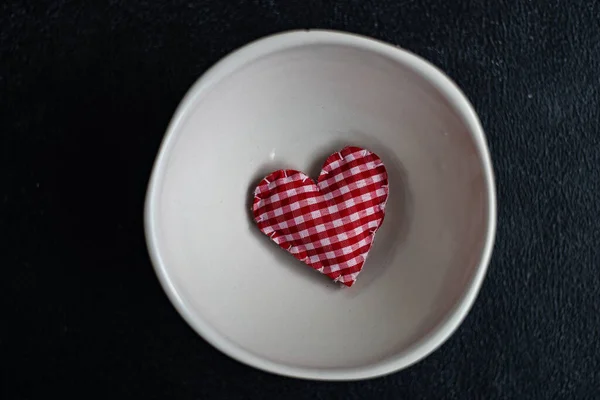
(291, 108)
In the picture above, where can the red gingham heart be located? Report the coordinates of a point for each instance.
(329, 225)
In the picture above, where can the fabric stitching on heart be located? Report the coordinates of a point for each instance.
(329, 224)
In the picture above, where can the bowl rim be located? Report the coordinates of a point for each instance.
(282, 41)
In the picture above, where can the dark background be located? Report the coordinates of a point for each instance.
(86, 92)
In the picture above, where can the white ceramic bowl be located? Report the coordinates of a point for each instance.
(290, 100)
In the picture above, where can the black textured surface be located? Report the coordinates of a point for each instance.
(86, 92)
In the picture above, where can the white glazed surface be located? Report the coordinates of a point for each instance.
(289, 101)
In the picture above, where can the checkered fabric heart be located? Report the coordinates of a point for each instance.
(329, 225)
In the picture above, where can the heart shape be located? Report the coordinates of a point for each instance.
(329, 225)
